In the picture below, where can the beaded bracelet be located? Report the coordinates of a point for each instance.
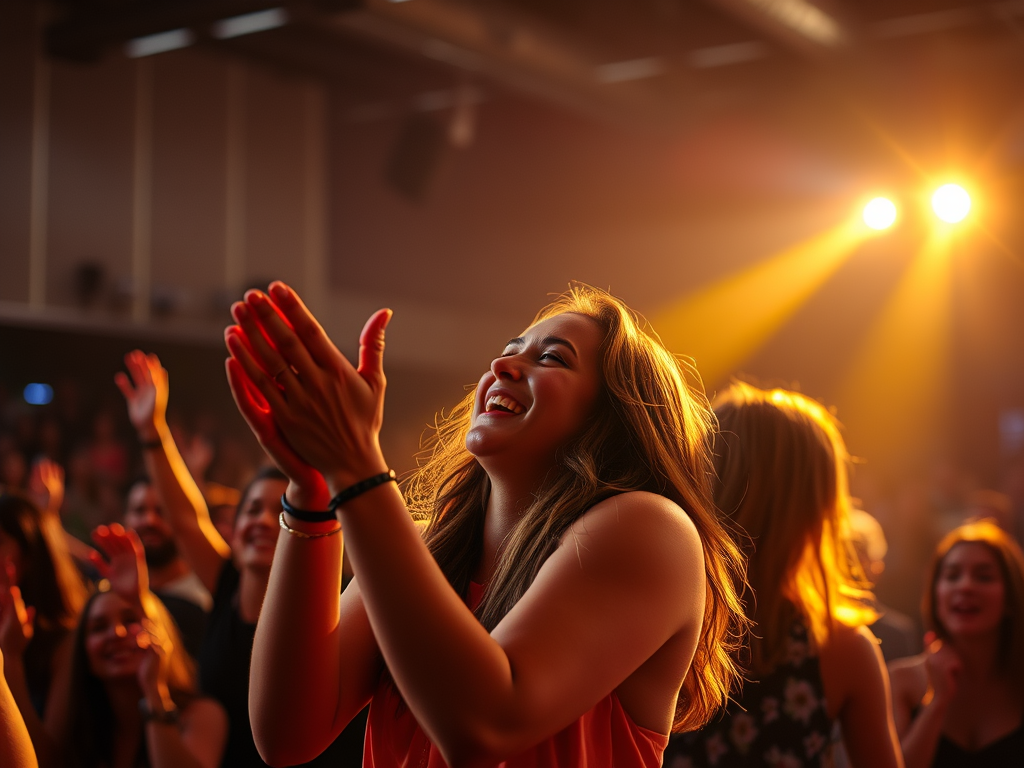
(361, 487)
(302, 534)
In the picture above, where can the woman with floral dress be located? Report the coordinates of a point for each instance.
(781, 476)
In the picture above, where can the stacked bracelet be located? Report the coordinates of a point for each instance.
(302, 534)
(305, 515)
(308, 516)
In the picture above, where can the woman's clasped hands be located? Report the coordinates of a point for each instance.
(315, 414)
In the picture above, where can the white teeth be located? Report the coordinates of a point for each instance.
(506, 403)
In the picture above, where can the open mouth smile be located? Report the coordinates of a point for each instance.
(503, 404)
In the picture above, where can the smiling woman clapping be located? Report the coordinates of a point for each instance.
(569, 578)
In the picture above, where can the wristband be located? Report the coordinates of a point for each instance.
(152, 445)
(362, 487)
(165, 716)
(306, 515)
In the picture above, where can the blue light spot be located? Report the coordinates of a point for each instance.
(38, 394)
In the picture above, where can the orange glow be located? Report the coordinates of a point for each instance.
(896, 383)
(721, 325)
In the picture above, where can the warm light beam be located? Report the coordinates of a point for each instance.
(721, 325)
(896, 385)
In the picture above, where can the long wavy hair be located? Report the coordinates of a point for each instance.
(1007, 554)
(781, 465)
(49, 580)
(651, 431)
(87, 734)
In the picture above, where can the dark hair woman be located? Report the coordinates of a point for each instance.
(132, 692)
(556, 597)
(961, 702)
(781, 465)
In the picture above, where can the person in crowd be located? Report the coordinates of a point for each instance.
(961, 703)
(898, 635)
(41, 596)
(781, 469)
(550, 608)
(15, 743)
(171, 579)
(236, 575)
(132, 693)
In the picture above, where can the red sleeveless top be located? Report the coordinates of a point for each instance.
(605, 736)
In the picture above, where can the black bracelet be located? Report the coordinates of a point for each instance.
(152, 445)
(306, 515)
(362, 487)
(166, 716)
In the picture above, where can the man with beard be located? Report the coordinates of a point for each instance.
(170, 577)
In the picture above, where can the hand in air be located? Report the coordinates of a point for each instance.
(155, 644)
(145, 392)
(16, 621)
(943, 667)
(125, 566)
(306, 403)
(46, 485)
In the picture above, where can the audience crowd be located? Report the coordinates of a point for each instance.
(135, 554)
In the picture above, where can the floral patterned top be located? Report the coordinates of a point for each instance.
(778, 722)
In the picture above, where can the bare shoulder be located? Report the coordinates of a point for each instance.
(643, 533)
(637, 517)
(850, 658)
(848, 642)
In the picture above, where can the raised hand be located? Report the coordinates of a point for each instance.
(944, 668)
(125, 566)
(145, 393)
(46, 485)
(16, 621)
(304, 400)
(155, 643)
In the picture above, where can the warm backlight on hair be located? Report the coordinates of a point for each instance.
(880, 213)
(951, 203)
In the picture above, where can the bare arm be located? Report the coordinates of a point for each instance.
(16, 631)
(927, 684)
(854, 675)
(196, 742)
(146, 395)
(15, 743)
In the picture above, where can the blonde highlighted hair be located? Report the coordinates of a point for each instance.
(782, 478)
(650, 431)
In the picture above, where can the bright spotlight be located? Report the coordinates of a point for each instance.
(880, 213)
(951, 203)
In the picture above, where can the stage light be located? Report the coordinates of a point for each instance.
(951, 203)
(38, 394)
(880, 213)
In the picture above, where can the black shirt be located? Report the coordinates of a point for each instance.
(224, 675)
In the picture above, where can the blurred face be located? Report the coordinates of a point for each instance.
(539, 394)
(970, 595)
(256, 525)
(110, 644)
(145, 516)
